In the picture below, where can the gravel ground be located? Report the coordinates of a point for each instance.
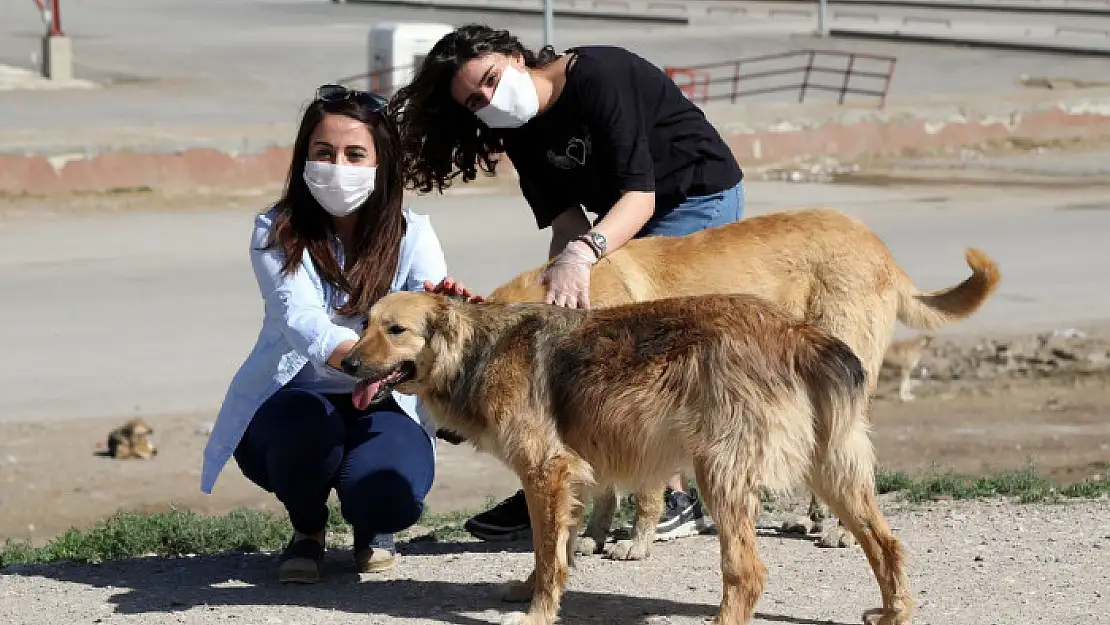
(968, 563)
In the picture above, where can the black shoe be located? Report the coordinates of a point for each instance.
(683, 516)
(507, 521)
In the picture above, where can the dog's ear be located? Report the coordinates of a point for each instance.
(445, 320)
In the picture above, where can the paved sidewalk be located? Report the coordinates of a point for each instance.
(20, 79)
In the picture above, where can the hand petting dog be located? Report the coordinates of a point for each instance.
(567, 278)
(448, 286)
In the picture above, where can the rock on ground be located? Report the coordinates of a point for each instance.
(969, 563)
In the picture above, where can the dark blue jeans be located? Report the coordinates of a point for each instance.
(301, 444)
(697, 213)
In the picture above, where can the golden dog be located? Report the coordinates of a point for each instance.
(819, 264)
(572, 400)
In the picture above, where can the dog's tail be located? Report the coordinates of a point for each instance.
(933, 309)
(836, 382)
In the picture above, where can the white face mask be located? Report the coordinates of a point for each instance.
(514, 101)
(340, 189)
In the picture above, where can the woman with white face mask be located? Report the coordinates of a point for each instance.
(336, 241)
(596, 129)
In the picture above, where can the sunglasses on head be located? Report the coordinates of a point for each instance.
(338, 93)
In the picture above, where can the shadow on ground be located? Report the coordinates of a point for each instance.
(167, 585)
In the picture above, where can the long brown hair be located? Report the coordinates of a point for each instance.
(302, 224)
(440, 137)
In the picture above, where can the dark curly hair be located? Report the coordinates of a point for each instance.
(440, 138)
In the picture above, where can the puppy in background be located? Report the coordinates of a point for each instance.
(902, 357)
(130, 440)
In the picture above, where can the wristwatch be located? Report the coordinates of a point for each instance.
(596, 241)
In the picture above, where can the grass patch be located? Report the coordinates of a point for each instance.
(1025, 484)
(181, 531)
(443, 528)
(174, 533)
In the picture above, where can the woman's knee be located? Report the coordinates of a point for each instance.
(385, 478)
(383, 501)
(294, 431)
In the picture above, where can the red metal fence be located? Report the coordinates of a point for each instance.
(744, 77)
(803, 67)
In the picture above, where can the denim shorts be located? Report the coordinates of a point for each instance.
(697, 213)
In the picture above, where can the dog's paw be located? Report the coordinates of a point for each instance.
(817, 512)
(797, 525)
(514, 618)
(879, 616)
(586, 546)
(628, 550)
(837, 538)
(516, 592)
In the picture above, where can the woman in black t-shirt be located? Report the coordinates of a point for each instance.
(597, 129)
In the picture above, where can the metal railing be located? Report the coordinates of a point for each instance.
(698, 81)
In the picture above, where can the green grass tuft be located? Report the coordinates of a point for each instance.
(174, 533)
(1025, 484)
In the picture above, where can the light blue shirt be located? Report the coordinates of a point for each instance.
(300, 329)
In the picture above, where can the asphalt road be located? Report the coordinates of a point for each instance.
(123, 313)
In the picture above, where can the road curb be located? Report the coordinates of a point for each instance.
(902, 36)
(760, 136)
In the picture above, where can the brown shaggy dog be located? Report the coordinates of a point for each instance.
(572, 400)
(821, 265)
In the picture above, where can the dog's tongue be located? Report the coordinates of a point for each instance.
(363, 393)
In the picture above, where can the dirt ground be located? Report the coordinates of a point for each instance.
(1045, 399)
(967, 563)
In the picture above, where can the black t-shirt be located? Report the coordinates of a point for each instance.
(620, 124)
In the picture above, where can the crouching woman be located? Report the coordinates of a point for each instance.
(337, 240)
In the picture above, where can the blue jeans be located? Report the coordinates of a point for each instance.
(301, 444)
(697, 213)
